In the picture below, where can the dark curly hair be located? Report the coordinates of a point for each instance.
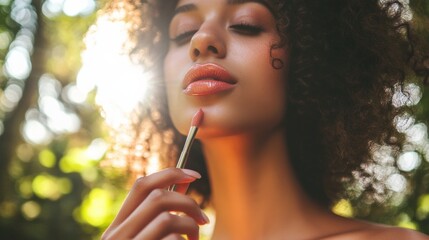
(347, 59)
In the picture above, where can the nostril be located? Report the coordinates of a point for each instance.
(196, 52)
(213, 49)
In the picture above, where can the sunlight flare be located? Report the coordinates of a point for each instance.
(120, 83)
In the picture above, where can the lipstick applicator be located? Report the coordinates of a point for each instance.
(195, 123)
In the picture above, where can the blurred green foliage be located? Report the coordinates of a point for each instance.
(57, 190)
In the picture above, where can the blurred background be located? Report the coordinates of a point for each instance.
(61, 103)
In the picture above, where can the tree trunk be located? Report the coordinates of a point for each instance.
(11, 136)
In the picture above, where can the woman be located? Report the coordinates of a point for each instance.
(295, 96)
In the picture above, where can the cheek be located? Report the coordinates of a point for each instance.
(264, 87)
(175, 66)
(170, 76)
(265, 68)
(171, 83)
(273, 81)
(270, 97)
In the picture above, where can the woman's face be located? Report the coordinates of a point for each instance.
(219, 60)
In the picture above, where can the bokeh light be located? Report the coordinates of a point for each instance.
(25, 152)
(394, 9)
(343, 208)
(121, 84)
(31, 209)
(76, 160)
(74, 95)
(423, 206)
(96, 207)
(50, 187)
(417, 134)
(47, 158)
(18, 63)
(71, 8)
(10, 98)
(78, 7)
(36, 133)
(409, 161)
(396, 182)
(405, 222)
(23, 13)
(96, 149)
(4, 2)
(410, 95)
(403, 122)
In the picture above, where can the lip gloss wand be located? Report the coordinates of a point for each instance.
(196, 122)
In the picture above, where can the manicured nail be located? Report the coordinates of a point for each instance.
(191, 173)
(205, 218)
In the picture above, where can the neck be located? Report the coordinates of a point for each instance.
(254, 190)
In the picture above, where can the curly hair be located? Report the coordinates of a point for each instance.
(347, 59)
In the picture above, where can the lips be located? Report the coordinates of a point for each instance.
(207, 79)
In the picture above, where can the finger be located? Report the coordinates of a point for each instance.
(157, 202)
(174, 237)
(143, 186)
(165, 224)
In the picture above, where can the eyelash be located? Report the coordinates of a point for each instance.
(183, 37)
(242, 28)
(247, 29)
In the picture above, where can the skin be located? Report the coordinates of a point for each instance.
(244, 109)
(243, 142)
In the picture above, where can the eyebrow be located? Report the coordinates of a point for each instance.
(184, 8)
(191, 7)
(245, 1)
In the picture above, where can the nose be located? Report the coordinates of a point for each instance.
(206, 42)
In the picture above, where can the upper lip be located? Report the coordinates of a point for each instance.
(207, 71)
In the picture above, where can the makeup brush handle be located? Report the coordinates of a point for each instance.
(187, 148)
(185, 152)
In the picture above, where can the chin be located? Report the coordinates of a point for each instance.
(222, 120)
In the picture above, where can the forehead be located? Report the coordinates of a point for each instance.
(245, 1)
(232, 2)
(191, 4)
(169, 8)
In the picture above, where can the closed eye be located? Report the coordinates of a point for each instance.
(184, 37)
(247, 29)
(242, 28)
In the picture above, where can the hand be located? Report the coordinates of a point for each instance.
(146, 212)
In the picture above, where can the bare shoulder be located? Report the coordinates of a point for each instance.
(385, 232)
(380, 232)
(358, 230)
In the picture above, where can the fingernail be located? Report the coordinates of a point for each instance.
(191, 173)
(205, 218)
(186, 179)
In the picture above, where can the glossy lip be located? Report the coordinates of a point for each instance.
(207, 79)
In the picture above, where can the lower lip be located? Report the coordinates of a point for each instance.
(207, 87)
